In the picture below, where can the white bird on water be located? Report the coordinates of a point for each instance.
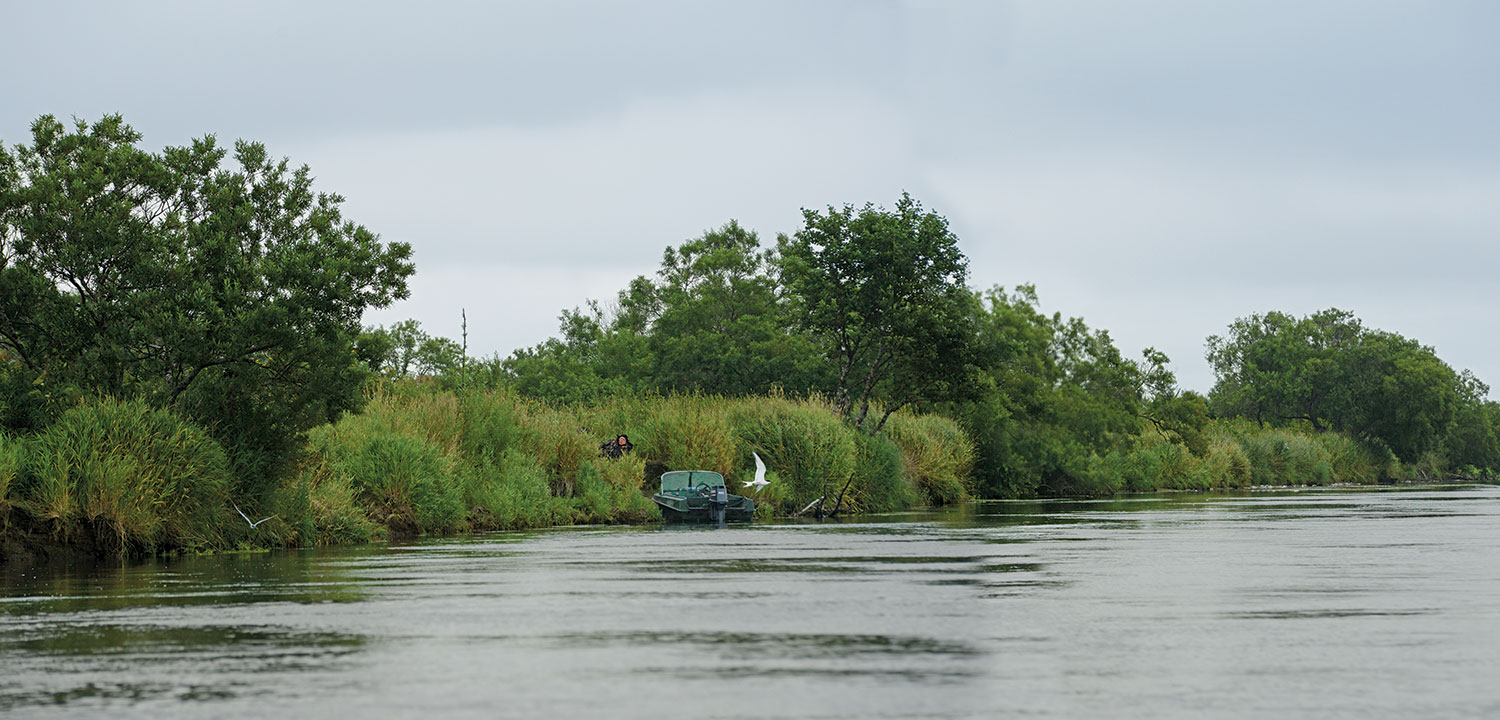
(253, 525)
(760, 480)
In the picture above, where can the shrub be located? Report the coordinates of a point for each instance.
(937, 455)
(405, 482)
(811, 450)
(127, 478)
(12, 462)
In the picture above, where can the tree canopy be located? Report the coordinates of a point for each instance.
(233, 294)
(884, 293)
(1330, 371)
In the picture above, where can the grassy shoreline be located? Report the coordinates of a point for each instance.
(121, 478)
(113, 478)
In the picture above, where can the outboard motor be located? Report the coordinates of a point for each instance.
(718, 504)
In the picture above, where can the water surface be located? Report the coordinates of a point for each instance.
(1327, 603)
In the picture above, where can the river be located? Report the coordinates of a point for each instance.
(1370, 603)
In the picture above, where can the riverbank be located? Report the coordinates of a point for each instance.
(113, 478)
(121, 478)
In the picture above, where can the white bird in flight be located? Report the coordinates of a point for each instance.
(760, 480)
(253, 525)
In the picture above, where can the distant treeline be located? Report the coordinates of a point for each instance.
(181, 353)
(868, 307)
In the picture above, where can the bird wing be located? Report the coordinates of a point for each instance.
(760, 469)
(242, 513)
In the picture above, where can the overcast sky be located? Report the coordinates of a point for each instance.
(1158, 168)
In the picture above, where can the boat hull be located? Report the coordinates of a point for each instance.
(675, 508)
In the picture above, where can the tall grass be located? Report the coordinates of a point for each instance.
(937, 455)
(813, 453)
(12, 462)
(419, 459)
(123, 477)
(402, 477)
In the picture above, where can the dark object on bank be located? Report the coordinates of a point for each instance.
(700, 495)
(616, 448)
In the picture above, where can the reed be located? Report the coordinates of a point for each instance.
(1227, 464)
(12, 462)
(937, 455)
(880, 477)
(122, 477)
(811, 450)
(320, 507)
(1281, 456)
(1350, 460)
(403, 478)
(423, 459)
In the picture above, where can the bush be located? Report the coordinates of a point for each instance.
(12, 462)
(937, 455)
(404, 482)
(811, 450)
(123, 477)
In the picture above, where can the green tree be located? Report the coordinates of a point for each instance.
(1473, 443)
(594, 357)
(713, 320)
(1331, 372)
(1058, 397)
(718, 323)
(232, 294)
(883, 292)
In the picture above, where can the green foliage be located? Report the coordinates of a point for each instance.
(883, 292)
(12, 463)
(512, 492)
(811, 450)
(122, 477)
(1058, 397)
(714, 320)
(1281, 456)
(1328, 370)
(687, 432)
(405, 482)
(229, 294)
(1473, 445)
(320, 506)
(936, 454)
(881, 481)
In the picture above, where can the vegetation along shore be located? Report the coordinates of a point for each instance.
(183, 369)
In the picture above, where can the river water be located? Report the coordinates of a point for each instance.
(1317, 603)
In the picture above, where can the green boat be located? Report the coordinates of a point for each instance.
(700, 495)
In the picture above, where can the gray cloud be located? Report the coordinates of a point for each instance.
(1158, 168)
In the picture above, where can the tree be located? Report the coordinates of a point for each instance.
(1473, 443)
(883, 292)
(1058, 396)
(593, 357)
(713, 320)
(231, 294)
(1331, 372)
(719, 323)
